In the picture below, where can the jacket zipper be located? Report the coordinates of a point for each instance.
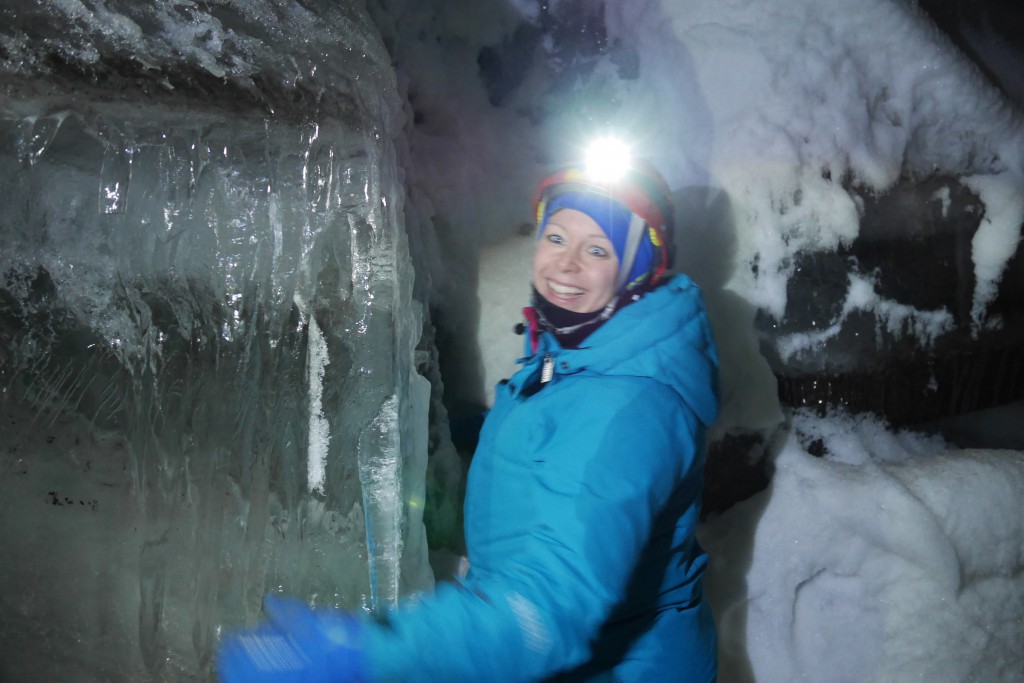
(547, 370)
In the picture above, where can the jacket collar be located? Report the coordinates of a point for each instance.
(664, 336)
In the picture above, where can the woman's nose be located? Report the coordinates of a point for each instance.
(569, 260)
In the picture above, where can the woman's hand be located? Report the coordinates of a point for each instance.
(298, 644)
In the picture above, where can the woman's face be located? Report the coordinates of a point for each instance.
(574, 265)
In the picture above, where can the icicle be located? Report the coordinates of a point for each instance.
(380, 474)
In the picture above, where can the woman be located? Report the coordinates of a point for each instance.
(584, 492)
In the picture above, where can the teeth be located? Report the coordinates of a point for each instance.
(567, 291)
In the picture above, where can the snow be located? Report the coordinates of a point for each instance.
(896, 318)
(997, 236)
(892, 558)
(319, 426)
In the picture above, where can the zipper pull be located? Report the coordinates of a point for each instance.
(547, 370)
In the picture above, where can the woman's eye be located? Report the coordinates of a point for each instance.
(555, 239)
(599, 252)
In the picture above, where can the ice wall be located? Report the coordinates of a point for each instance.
(207, 379)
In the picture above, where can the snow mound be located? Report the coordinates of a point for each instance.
(873, 569)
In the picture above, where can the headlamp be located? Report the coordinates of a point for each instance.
(607, 159)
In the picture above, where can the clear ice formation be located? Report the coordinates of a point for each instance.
(207, 331)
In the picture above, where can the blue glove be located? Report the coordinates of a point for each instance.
(297, 646)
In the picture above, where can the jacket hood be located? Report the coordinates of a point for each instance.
(664, 336)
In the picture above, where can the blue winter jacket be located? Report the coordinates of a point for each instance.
(580, 511)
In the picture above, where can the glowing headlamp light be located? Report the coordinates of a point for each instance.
(607, 159)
